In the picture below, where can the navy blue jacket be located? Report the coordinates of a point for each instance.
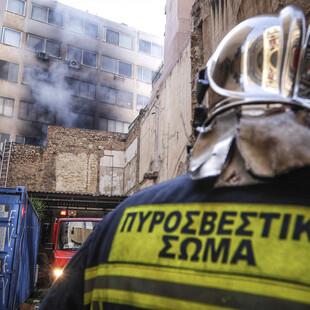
(184, 244)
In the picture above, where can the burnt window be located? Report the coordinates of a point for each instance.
(8, 71)
(89, 59)
(81, 88)
(38, 44)
(116, 96)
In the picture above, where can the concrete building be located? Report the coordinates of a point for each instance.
(61, 66)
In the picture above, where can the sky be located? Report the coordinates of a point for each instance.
(145, 15)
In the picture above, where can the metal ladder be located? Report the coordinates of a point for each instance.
(5, 161)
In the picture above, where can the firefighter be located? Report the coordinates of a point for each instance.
(234, 233)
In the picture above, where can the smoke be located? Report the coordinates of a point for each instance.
(53, 100)
(56, 99)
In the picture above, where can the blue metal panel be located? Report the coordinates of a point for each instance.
(19, 239)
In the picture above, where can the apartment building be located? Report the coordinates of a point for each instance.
(61, 66)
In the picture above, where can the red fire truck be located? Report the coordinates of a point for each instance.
(69, 233)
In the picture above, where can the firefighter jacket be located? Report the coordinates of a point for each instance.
(186, 244)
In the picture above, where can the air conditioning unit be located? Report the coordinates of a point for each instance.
(74, 64)
(43, 56)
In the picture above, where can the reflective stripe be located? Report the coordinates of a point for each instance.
(145, 301)
(168, 288)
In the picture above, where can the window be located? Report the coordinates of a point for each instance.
(91, 30)
(8, 71)
(116, 66)
(142, 101)
(37, 44)
(76, 24)
(145, 75)
(32, 75)
(36, 113)
(47, 15)
(74, 53)
(83, 120)
(27, 111)
(6, 106)
(115, 96)
(85, 57)
(81, 88)
(112, 125)
(11, 37)
(109, 64)
(125, 69)
(112, 37)
(145, 47)
(20, 139)
(118, 38)
(157, 51)
(55, 18)
(151, 49)
(81, 26)
(4, 137)
(89, 59)
(16, 6)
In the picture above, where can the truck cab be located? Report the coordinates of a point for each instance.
(69, 233)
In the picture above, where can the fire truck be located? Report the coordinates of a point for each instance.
(69, 233)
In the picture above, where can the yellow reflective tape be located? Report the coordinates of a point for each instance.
(91, 272)
(255, 286)
(265, 241)
(146, 301)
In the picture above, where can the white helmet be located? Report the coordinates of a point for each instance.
(263, 60)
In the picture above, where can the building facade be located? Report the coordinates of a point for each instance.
(61, 66)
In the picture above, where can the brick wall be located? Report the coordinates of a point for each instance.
(70, 162)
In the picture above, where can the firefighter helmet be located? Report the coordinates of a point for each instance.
(261, 63)
(263, 59)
